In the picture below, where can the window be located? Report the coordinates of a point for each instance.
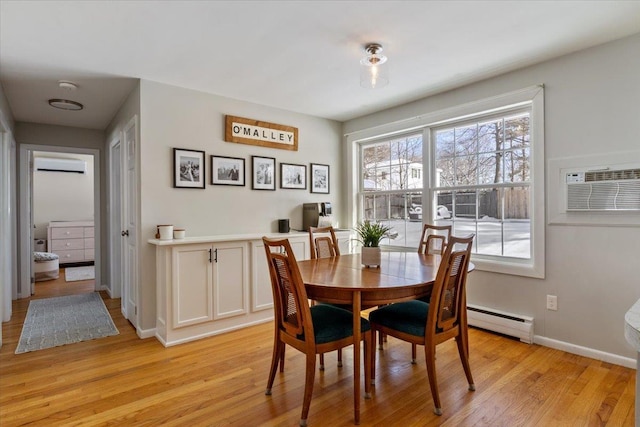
(391, 187)
(483, 173)
(483, 181)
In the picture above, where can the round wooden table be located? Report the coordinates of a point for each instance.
(401, 276)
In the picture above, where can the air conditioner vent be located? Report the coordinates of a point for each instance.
(608, 175)
(604, 190)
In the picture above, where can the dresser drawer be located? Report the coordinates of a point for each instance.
(88, 232)
(70, 256)
(67, 232)
(89, 255)
(67, 244)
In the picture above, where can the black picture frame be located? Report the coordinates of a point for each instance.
(263, 173)
(188, 168)
(319, 178)
(293, 176)
(227, 171)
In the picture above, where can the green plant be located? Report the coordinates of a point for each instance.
(370, 233)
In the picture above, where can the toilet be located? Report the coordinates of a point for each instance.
(46, 266)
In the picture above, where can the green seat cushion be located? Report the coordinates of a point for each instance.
(409, 317)
(331, 323)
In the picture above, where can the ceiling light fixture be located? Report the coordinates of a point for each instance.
(373, 72)
(65, 104)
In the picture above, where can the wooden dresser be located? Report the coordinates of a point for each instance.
(72, 241)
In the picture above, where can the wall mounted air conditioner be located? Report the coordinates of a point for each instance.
(603, 190)
(54, 164)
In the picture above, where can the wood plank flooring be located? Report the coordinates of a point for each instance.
(220, 381)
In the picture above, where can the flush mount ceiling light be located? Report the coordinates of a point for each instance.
(65, 104)
(373, 71)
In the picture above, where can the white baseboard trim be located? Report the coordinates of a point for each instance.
(585, 351)
(146, 333)
(212, 333)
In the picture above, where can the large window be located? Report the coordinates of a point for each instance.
(391, 187)
(483, 179)
(481, 169)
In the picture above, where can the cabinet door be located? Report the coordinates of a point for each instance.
(300, 246)
(344, 242)
(192, 284)
(261, 294)
(230, 279)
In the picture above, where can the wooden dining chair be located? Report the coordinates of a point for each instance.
(323, 246)
(432, 242)
(311, 330)
(434, 239)
(443, 318)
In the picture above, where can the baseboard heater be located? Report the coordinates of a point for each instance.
(514, 325)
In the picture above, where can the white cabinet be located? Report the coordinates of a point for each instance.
(210, 285)
(72, 241)
(208, 282)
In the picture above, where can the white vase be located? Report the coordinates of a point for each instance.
(370, 256)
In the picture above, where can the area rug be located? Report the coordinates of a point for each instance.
(75, 274)
(52, 322)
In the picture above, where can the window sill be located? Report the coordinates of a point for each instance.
(512, 266)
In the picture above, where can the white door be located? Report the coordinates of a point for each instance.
(32, 289)
(116, 227)
(130, 218)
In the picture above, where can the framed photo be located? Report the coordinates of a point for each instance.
(319, 178)
(263, 173)
(188, 168)
(293, 176)
(227, 170)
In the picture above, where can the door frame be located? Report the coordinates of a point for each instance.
(115, 240)
(26, 231)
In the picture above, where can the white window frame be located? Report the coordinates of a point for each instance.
(532, 96)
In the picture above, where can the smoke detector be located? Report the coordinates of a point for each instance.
(67, 85)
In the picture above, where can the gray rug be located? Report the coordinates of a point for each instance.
(53, 322)
(75, 274)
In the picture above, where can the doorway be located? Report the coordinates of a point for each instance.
(63, 224)
(27, 230)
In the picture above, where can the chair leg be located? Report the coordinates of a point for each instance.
(322, 361)
(430, 358)
(282, 350)
(275, 359)
(367, 363)
(339, 358)
(463, 349)
(373, 356)
(308, 388)
(413, 354)
(381, 338)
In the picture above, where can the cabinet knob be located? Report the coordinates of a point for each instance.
(68, 244)
(67, 233)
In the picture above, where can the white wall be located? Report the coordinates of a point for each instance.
(61, 196)
(175, 117)
(591, 108)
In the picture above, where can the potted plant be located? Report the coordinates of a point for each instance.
(369, 235)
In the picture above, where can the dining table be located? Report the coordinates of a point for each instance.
(401, 276)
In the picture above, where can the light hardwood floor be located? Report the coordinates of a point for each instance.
(220, 381)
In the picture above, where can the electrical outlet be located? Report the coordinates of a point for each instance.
(552, 302)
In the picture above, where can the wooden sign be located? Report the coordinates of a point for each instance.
(255, 132)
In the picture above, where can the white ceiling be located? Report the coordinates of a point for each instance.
(301, 56)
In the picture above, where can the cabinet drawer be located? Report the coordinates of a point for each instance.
(67, 232)
(88, 255)
(88, 243)
(67, 244)
(88, 232)
(70, 256)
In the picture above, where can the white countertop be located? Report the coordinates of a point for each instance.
(231, 238)
(632, 326)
